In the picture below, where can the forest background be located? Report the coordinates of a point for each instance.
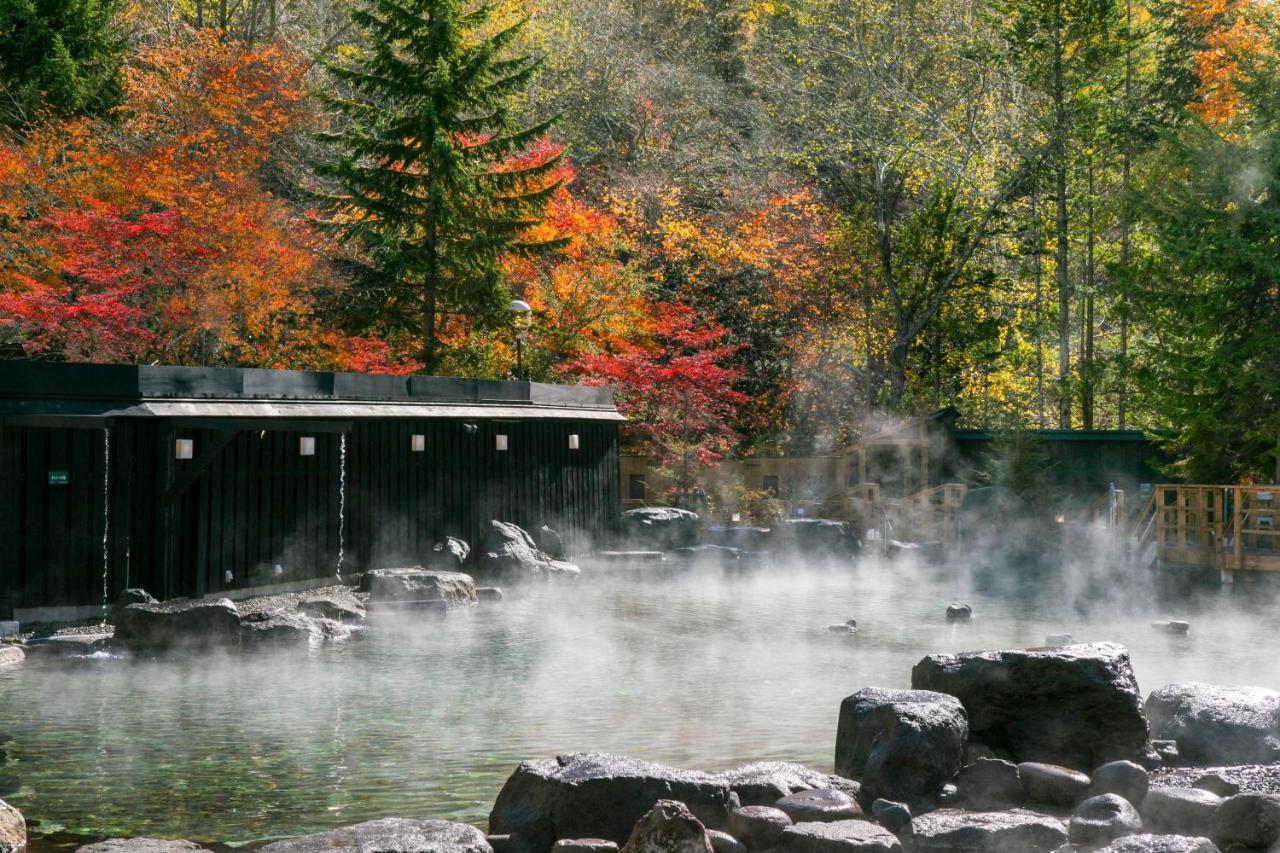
(761, 221)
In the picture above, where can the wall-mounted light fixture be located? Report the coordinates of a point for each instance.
(500, 442)
(573, 441)
(418, 443)
(307, 445)
(227, 577)
(184, 448)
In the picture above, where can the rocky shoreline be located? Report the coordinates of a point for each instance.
(1041, 750)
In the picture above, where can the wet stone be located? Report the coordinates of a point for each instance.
(1052, 785)
(895, 817)
(668, 827)
(1218, 725)
(584, 845)
(1104, 818)
(1012, 831)
(1248, 820)
(819, 805)
(389, 835)
(758, 827)
(141, 845)
(1216, 783)
(989, 783)
(762, 783)
(723, 842)
(13, 829)
(959, 612)
(842, 836)
(1125, 778)
(1160, 844)
(1181, 811)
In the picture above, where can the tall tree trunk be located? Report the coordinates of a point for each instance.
(1060, 187)
(1039, 305)
(430, 308)
(1125, 165)
(898, 368)
(1086, 368)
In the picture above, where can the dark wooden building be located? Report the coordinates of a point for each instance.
(192, 481)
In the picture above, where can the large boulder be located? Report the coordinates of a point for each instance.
(900, 744)
(180, 623)
(765, 782)
(1076, 706)
(1248, 820)
(279, 626)
(1013, 831)
(509, 552)
(820, 537)
(663, 527)
(598, 795)
(1218, 725)
(668, 827)
(1160, 844)
(13, 829)
(419, 584)
(389, 835)
(141, 845)
(842, 836)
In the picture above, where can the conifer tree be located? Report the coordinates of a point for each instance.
(434, 180)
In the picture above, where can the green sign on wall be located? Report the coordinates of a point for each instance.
(59, 478)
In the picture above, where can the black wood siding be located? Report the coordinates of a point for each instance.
(260, 503)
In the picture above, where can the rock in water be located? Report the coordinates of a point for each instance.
(1124, 778)
(662, 527)
(1218, 725)
(842, 836)
(550, 543)
(1052, 785)
(13, 829)
(1102, 819)
(279, 626)
(820, 805)
(181, 623)
(1185, 811)
(901, 744)
(597, 795)
(990, 783)
(959, 612)
(510, 552)
(450, 555)
(339, 605)
(1077, 706)
(10, 654)
(141, 845)
(1160, 844)
(417, 583)
(1013, 831)
(758, 827)
(668, 827)
(765, 782)
(389, 835)
(1248, 820)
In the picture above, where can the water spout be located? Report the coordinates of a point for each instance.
(342, 498)
(106, 519)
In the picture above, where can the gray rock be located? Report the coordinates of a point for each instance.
(550, 543)
(338, 605)
(13, 829)
(1166, 751)
(584, 845)
(1052, 785)
(140, 845)
(510, 552)
(763, 783)
(841, 836)
(279, 626)
(1249, 820)
(663, 528)
(132, 595)
(989, 783)
(758, 827)
(959, 612)
(181, 623)
(900, 744)
(668, 827)
(819, 805)
(510, 843)
(10, 654)
(895, 817)
(1125, 778)
(417, 583)
(449, 555)
(389, 835)
(1180, 811)
(723, 842)
(1160, 844)
(489, 593)
(1077, 706)
(1216, 783)
(1102, 819)
(1012, 831)
(598, 795)
(1218, 725)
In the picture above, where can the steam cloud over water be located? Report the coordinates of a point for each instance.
(425, 717)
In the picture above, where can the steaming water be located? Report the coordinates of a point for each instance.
(426, 718)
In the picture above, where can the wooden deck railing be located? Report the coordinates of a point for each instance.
(1211, 526)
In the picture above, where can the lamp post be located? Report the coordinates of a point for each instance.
(521, 320)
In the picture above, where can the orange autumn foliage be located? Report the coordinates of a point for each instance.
(1237, 36)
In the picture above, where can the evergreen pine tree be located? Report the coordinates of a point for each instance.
(57, 58)
(435, 181)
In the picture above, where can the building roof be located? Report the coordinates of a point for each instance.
(40, 389)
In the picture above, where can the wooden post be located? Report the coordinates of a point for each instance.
(1237, 522)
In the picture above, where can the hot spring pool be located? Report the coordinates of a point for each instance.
(702, 669)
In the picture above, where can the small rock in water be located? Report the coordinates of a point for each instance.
(141, 845)
(848, 627)
(1172, 627)
(1059, 640)
(723, 842)
(894, 817)
(11, 654)
(488, 593)
(959, 612)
